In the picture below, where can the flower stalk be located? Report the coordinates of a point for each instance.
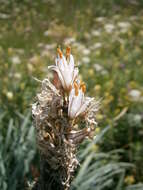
(58, 113)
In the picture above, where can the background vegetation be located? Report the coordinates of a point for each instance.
(107, 42)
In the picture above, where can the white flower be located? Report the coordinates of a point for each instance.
(50, 46)
(69, 41)
(15, 60)
(96, 46)
(124, 24)
(86, 51)
(85, 60)
(46, 33)
(98, 67)
(4, 16)
(135, 94)
(78, 103)
(95, 33)
(104, 72)
(17, 75)
(65, 69)
(100, 19)
(109, 28)
(9, 95)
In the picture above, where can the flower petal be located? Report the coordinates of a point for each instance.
(66, 73)
(71, 62)
(75, 74)
(55, 68)
(71, 96)
(84, 106)
(62, 63)
(75, 104)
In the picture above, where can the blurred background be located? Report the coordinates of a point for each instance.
(106, 38)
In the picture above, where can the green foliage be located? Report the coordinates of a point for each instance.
(16, 153)
(100, 170)
(135, 187)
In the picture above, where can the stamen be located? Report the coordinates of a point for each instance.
(76, 88)
(83, 87)
(68, 51)
(60, 52)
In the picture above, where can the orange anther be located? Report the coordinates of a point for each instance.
(68, 51)
(83, 87)
(76, 88)
(60, 52)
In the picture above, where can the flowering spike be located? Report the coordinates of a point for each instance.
(57, 130)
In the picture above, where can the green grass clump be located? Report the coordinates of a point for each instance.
(16, 153)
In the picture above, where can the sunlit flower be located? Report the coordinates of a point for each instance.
(96, 46)
(100, 19)
(69, 40)
(50, 46)
(86, 51)
(85, 60)
(124, 24)
(95, 33)
(98, 67)
(15, 60)
(78, 103)
(65, 69)
(9, 95)
(46, 33)
(17, 75)
(4, 16)
(135, 94)
(109, 28)
(104, 72)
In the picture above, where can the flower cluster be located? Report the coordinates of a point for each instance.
(67, 73)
